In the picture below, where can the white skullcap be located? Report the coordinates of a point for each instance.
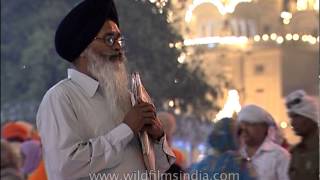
(255, 114)
(299, 102)
(168, 122)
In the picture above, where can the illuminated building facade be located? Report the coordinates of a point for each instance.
(264, 49)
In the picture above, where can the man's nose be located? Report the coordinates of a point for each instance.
(117, 46)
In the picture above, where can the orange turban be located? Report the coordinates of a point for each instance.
(13, 130)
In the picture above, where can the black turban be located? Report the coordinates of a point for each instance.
(81, 25)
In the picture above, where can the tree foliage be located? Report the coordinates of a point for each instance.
(30, 65)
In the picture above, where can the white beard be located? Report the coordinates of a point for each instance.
(113, 81)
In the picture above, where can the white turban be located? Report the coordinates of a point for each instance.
(255, 114)
(299, 102)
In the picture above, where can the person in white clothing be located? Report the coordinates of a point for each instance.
(269, 160)
(303, 111)
(87, 124)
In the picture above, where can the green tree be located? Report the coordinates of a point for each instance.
(28, 59)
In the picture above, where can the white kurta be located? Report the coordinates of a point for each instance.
(79, 139)
(271, 161)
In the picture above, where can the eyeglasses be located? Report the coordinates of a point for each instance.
(110, 40)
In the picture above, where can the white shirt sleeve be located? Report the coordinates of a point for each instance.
(67, 154)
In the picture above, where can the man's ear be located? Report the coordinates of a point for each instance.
(79, 63)
(78, 60)
(81, 55)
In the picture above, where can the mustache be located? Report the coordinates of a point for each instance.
(114, 55)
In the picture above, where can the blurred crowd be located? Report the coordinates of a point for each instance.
(21, 157)
(250, 145)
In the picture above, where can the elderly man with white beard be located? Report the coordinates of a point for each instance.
(87, 124)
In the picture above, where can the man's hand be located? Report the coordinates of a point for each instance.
(155, 130)
(141, 115)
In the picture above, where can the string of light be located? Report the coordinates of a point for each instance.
(307, 38)
(240, 40)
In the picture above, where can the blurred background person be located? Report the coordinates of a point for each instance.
(15, 133)
(269, 159)
(223, 156)
(169, 126)
(9, 162)
(31, 157)
(304, 113)
(18, 132)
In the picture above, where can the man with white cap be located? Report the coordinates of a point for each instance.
(304, 114)
(269, 160)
